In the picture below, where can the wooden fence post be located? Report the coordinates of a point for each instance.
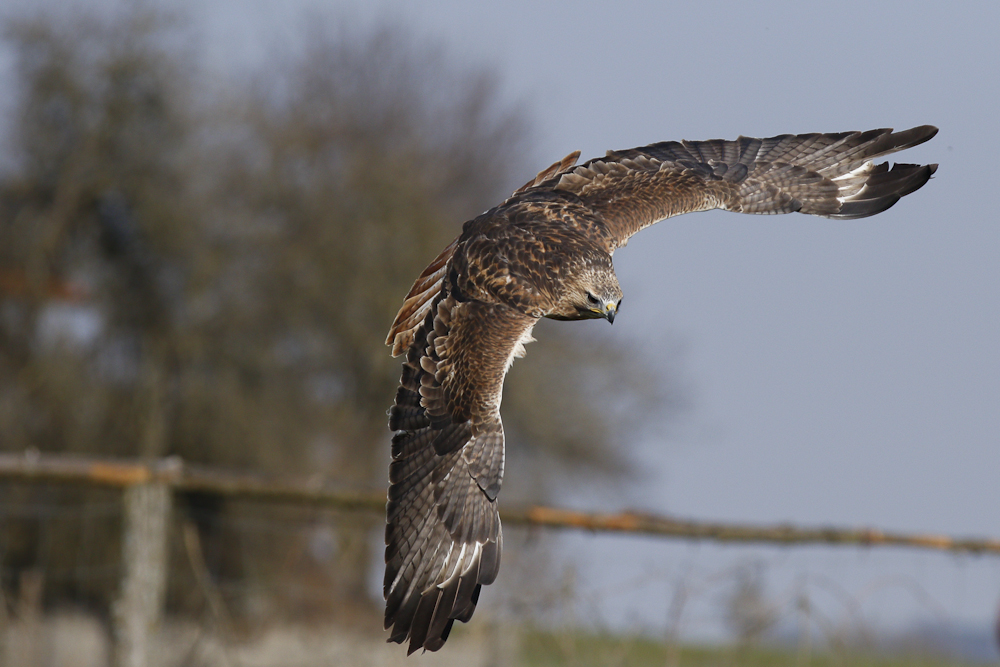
(137, 610)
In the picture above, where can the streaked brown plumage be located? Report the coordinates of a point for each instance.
(546, 252)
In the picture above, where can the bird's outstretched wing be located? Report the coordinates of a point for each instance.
(830, 175)
(443, 537)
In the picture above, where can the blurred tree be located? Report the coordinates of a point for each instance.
(95, 203)
(94, 235)
(211, 275)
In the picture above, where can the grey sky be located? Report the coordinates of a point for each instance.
(842, 372)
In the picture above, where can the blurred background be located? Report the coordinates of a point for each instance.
(210, 213)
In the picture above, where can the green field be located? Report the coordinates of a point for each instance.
(539, 649)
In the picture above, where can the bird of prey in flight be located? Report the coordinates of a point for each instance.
(546, 252)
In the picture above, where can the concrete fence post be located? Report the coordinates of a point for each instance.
(136, 613)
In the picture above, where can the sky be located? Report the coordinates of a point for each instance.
(840, 373)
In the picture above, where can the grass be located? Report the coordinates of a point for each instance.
(549, 649)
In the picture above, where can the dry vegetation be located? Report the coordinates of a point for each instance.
(75, 640)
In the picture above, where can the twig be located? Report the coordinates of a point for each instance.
(196, 558)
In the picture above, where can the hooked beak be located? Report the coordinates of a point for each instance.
(608, 312)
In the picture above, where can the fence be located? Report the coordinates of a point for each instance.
(148, 490)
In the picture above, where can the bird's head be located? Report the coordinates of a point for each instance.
(601, 300)
(592, 292)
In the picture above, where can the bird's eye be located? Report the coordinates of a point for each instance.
(593, 299)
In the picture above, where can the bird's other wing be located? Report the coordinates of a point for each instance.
(443, 538)
(829, 175)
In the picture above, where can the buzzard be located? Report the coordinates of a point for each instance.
(546, 252)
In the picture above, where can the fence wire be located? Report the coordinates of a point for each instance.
(254, 582)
